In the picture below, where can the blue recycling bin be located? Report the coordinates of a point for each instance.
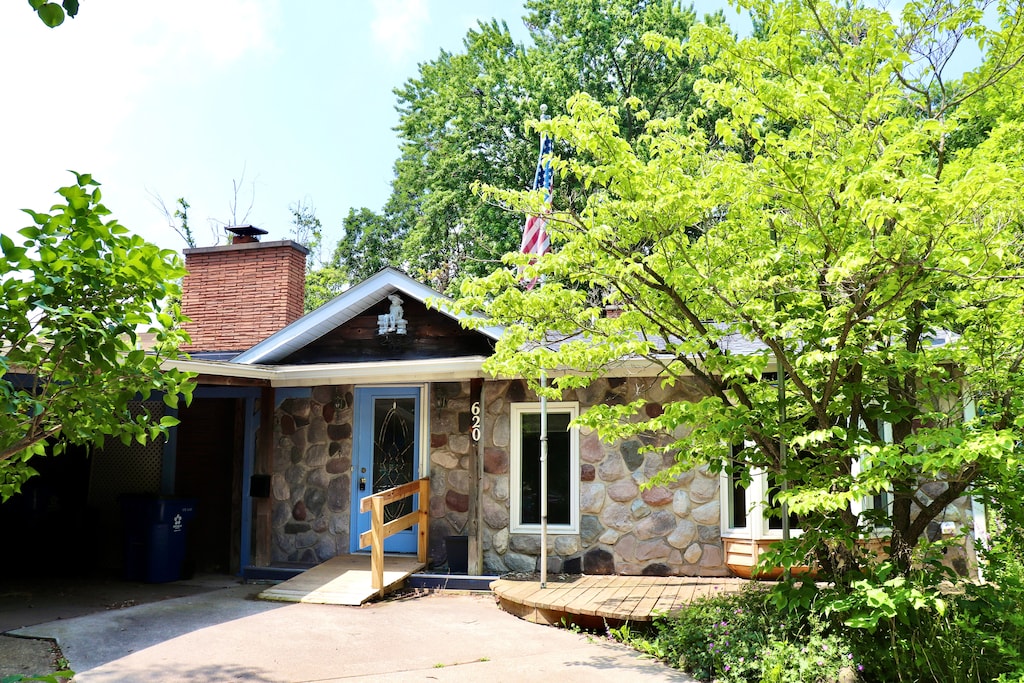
(156, 537)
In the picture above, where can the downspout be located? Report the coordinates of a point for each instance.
(978, 516)
(782, 448)
(543, 483)
(248, 465)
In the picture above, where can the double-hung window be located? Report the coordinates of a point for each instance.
(874, 510)
(752, 511)
(563, 479)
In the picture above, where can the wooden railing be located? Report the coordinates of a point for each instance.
(379, 530)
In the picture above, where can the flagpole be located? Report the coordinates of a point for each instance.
(543, 482)
(544, 438)
(537, 243)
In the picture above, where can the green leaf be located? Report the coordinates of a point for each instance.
(71, 6)
(51, 14)
(78, 291)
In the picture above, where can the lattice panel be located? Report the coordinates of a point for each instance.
(118, 469)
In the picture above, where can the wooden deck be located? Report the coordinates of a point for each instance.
(342, 580)
(592, 601)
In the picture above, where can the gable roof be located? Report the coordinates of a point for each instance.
(343, 308)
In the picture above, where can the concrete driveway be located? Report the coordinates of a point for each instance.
(225, 635)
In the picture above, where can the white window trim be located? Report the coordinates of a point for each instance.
(757, 496)
(515, 467)
(727, 530)
(757, 523)
(859, 507)
(978, 513)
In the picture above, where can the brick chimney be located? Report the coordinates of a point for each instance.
(239, 294)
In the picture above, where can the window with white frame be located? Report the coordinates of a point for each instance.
(562, 468)
(750, 510)
(748, 498)
(874, 510)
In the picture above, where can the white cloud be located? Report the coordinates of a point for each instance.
(398, 27)
(202, 32)
(69, 90)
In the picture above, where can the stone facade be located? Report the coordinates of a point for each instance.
(311, 484)
(961, 557)
(625, 527)
(452, 465)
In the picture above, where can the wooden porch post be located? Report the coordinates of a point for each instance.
(476, 477)
(264, 465)
(423, 539)
(377, 544)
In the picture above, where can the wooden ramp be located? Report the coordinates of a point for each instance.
(342, 580)
(591, 601)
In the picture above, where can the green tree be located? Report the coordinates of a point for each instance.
(367, 245)
(826, 231)
(597, 47)
(77, 294)
(324, 280)
(462, 121)
(307, 231)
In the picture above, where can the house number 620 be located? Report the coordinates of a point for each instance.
(474, 430)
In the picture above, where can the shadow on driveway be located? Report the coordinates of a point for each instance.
(223, 635)
(29, 601)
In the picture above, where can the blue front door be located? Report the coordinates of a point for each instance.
(385, 454)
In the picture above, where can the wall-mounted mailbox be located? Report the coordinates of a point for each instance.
(259, 486)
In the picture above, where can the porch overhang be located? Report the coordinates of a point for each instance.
(384, 372)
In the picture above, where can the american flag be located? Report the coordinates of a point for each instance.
(535, 237)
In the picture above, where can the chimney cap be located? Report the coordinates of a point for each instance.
(246, 230)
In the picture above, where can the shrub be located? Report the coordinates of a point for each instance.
(912, 628)
(745, 637)
(884, 627)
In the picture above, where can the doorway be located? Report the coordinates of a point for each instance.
(386, 445)
(208, 469)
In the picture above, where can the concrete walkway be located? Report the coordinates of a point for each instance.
(224, 635)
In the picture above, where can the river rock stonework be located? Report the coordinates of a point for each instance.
(961, 557)
(451, 465)
(311, 485)
(625, 527)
